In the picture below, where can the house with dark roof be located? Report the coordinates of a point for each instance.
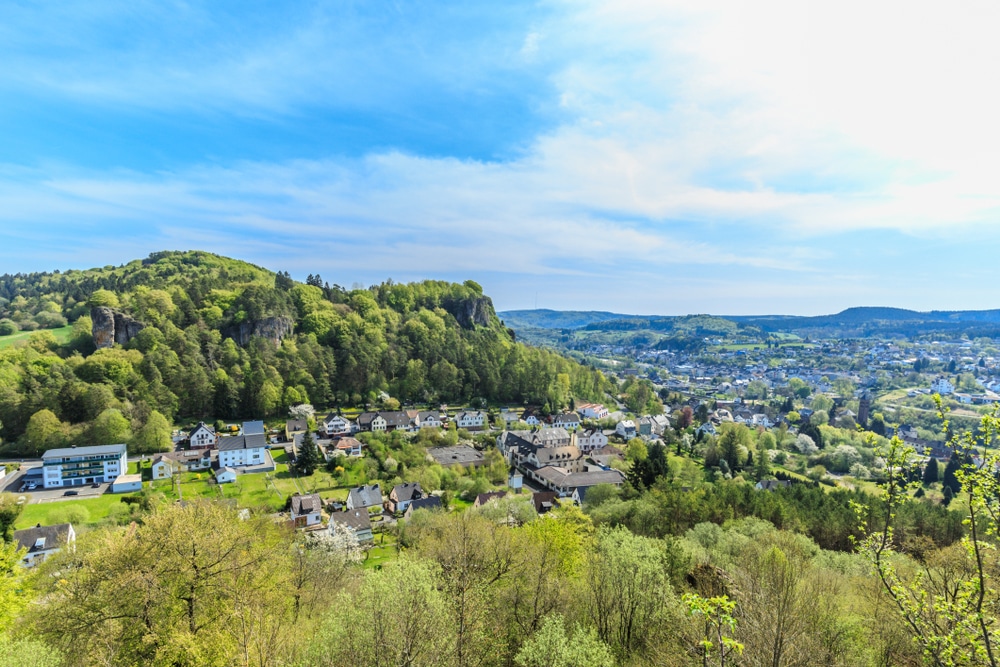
(335, 425)
(244, 450)
(569, 420)
(484, 498)
(545, 501)
(772, 484)
(429, 419)
(365, 497)
(294, 427)
(203, 436)
(307, 510)
(426, 503)
(252, 428)
(41, 541)
(356, 521)
(402, 495)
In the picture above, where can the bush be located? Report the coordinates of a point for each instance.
(47, 320)
(8, 327)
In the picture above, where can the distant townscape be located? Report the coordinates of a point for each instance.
(209, 463)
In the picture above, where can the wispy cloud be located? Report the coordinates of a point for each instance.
(746, 151)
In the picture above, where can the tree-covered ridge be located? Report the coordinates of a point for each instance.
(427, 342)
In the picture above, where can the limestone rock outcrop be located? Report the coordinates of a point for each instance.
(272, 328)
(111, 326)
(471, 313)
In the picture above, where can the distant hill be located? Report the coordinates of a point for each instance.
(858, 321)
(556, 319)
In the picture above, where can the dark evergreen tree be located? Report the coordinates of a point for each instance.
(308, 458)
(931, 472)
(950, 481)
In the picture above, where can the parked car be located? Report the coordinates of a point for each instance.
(71, 493)
(95, 485)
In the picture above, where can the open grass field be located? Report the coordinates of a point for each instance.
(81, 512)
(61, 334)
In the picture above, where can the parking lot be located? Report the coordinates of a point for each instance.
(18, 482)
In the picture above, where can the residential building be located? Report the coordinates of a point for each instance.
(565, 482)
(471, 420)
(252, 428)
(428, 503)
(77, 466)
(484, 498)
(203, 436)
(545, 501)
(225, 475)
(772, 484)
(41, 541)
(356, 521)
(294, 427)
(590, 440)
(307, 510)
(626, 429)
(942, 385)
(402, 495)
(336, 425)
(189, 460)
(592, 411)
(348, 446)
(243, 450)
(567, 420)
(430, 419)
(397, 421)
(364, 497)
(371, 421)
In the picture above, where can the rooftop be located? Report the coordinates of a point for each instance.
(96, 450)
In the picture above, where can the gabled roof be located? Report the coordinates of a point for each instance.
(43, 538)
(395, 419)
(306, 504)
(366, 496)
(567, 418)
(296, 425)
(484, 498)
(242, 442)
(202, 426)
(253, 428)
(405, 492)
(356, 520)
(428, 503)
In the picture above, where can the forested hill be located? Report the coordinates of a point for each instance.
(202, 336)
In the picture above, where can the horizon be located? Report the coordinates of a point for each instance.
(628, 156)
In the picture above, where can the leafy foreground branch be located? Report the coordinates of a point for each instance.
(948, 601)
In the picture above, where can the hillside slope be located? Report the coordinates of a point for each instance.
(218, 338)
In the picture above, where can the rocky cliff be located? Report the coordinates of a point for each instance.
(112, 327)
(272, 328)
(471, 313)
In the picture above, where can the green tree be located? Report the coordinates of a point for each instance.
(44, 431)
(154, 436)
(931, 472)
(308, 457)
(553, 646)
(110, 428)
(410, 621)
(10, 510)
(103, 297)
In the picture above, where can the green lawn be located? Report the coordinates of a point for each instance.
(80, 512)
(62, 335)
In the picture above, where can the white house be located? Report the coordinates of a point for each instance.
(431, 419)
(225, 475)
(190, 460)
(335, 425)
(626, 428)
(77, 466)
(203, 436)
(942, 386)
(371, 421)
(530, 418)
(568, 420)
(307, 510)
(590, 439)
(41, 541)
(471, 420)
(243, 450)
(592, 411)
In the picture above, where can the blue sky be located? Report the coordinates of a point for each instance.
(651, 156)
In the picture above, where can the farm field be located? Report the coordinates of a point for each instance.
(62, 335)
